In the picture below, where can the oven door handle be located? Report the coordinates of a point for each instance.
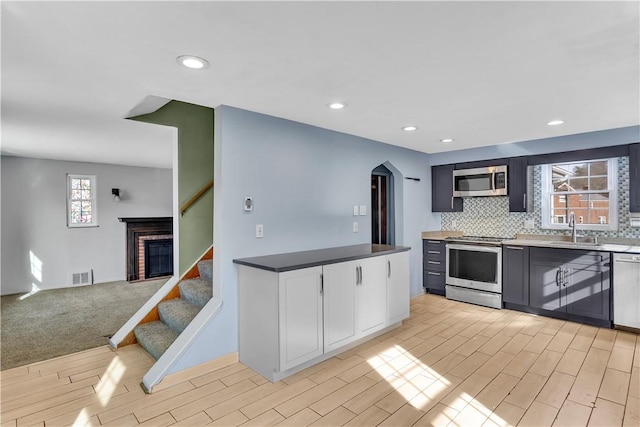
(477, 248)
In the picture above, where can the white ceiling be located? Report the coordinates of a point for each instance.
(483, 73)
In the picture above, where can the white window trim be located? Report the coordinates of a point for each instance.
(94, 204)
(612, 184)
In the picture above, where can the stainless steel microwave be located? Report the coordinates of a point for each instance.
(490, 181)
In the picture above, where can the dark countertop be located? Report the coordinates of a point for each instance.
(305, 259)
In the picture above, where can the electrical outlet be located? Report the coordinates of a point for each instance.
(355, 210)
(528, 224)
(355, 226)
(363, 210)
(259, 231)
(454, 224)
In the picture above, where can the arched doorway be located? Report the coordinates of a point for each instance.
(382, 206)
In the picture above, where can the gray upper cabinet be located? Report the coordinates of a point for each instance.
(518, 188)
(442, 199)
(634, 178)
(574, 283)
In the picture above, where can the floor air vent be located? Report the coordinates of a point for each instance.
(81, 278)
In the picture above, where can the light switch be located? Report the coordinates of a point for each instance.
(259, 231)
(355, 226)
(355, 210)
(363, 210)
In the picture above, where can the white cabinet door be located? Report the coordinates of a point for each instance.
(397, 287)
(371, 295)
(300, 316)
(339, 304)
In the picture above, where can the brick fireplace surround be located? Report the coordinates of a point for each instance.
(139, 230)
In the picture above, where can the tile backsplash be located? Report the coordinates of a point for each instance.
(490, 216)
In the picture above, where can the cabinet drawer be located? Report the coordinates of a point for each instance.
(435, 265)
(434, 250)
(578, 256)
(434, 279)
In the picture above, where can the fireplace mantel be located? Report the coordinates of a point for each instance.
(146, 219)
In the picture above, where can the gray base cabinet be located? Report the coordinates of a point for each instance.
(434, 254)
(515, 274)
(571, 282)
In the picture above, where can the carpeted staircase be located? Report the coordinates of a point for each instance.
(176, 314)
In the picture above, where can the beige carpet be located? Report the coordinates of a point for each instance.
(57, 322)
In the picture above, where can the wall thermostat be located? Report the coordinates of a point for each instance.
(248, 204)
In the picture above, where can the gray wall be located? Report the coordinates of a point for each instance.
(34, 220)
(304, 181)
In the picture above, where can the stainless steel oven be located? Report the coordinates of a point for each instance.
(474, 272)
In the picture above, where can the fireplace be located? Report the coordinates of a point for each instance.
(158, 258)
(149, 247)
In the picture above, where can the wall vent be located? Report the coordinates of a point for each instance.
(80, 278)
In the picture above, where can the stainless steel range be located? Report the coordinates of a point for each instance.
(474, 270)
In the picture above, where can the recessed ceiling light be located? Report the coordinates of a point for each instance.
(409, 128)
(337, 105)
(193, 62)
(555, 122)
(446, 140)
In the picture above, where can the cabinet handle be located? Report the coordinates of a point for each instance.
(434, 262)
(517, 248)
(451, 202)
(524, 201)
(564, 277)
(433, 252)
(321, 284)
(388, 268)
(558, 274)
(433, 242)
(357, 275)
(433, 273)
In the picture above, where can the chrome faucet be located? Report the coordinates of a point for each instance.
(572, 224)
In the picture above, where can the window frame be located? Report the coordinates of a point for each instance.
(547, 191)
(94, 204)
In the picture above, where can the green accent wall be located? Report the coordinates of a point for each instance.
(195, 170)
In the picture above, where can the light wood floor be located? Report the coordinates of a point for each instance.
(449, 364)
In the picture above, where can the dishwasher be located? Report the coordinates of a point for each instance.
(626, 290)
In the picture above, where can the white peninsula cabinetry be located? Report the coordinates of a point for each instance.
(289, 320)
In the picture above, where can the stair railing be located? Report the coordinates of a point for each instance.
(196, 197)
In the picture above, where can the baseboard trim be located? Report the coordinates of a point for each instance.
(195, 371)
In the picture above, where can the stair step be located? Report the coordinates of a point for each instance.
(196, 291)
(177, 313)
(205, 267)
(155, 337)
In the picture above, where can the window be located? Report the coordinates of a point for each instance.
(81, 201)
(587, 188)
